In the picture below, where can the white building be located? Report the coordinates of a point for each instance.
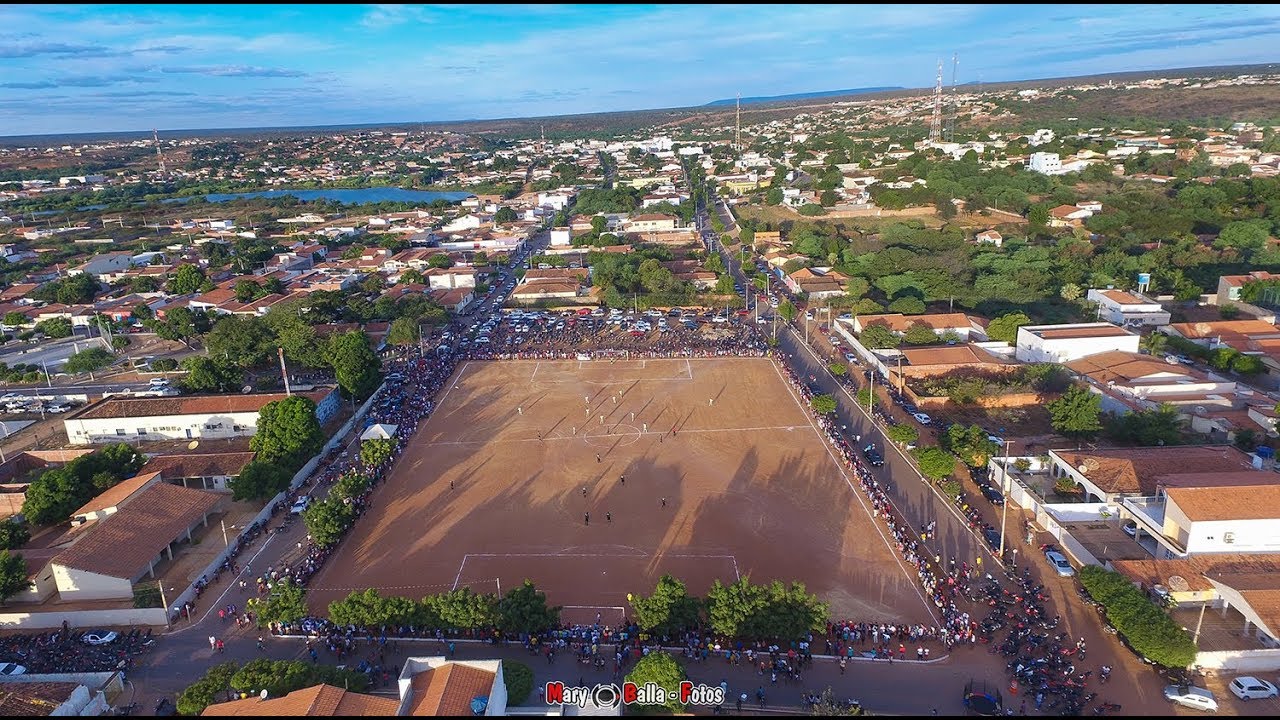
(555, 200)
(118, 419)
(1064, 343)
(1046, 163)
(561, 236)
(1128, 309)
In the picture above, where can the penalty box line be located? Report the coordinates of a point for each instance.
(462, 565)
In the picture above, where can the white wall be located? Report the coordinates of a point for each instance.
(82, 618)
(76, 584)
(84, 431)
(1249, 536)
(1033, 348)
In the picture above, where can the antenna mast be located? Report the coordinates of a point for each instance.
(955, 105)
(155, 134)
(935, 126)
(737, 132)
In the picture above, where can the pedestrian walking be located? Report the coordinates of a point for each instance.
(519, 411)
(586, 518)
(450, 484)
(622, 479)
(597, 457)
(221, 645)
(664, 502)
(213, 643)
(584, 491)
(608, 517)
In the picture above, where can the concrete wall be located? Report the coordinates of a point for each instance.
(76, 584)
(1239, 660)
(82, 618)
(83, 431)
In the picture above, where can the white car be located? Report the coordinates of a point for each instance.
(300, 504)
(1191, 696)
(1248, 687)
(11, 669)
(922, 418)
(99, 637)
(1059, 563)
(158, 382)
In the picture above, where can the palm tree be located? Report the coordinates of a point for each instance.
(1155, 343)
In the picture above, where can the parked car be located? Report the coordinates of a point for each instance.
(1191, 696)
(1248, 687)
(992, 536)
(300, 504)
(58, 408)
(1130, 528)
(11, 669)
(1059, 563)
(922, 418)
(158, 382)
(99, 637)
(993, 496)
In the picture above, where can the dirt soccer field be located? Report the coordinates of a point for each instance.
(491, 491)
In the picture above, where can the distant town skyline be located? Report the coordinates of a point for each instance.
(110, 68)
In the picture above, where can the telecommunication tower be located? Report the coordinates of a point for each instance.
(935, 126)
(155, 135)
(955, 104)
(737, 132)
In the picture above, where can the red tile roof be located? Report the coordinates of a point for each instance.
(449, 689)
(116, 407)
(318, 700)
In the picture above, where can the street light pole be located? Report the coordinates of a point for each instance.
(1004, 488)
(1195, 637)
(163, 601)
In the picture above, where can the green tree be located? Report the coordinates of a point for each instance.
(787, 310)
(879, 336)
(52, 497)
(904, 434)
(403, 331)
(259, 481)
(288, 432)
(518, 679)
(1247, 235)
(812, 210)
(462, 608)
(1155, 343)
(838, 369)
(1038, 216)
(1158, 426)
(1071, 292)
(287, 603)
(356, 367)
(1077, 413)
(829, 198)
(1147, 627)
(773, 196)
(920, 334)
(215, 375)
(56, 327)
(375, 452)
(245, 340)
(774, 611)
(660, 668)
(505, 215)
(86, 361)
(1005, 327)
(440, 260)
(13, 319)
(327, 520)
(970, 443)
(525, 610)
(205, 691)
(935, 463)
(13, 575)
(281, 677)
(823, 404)
(669, 611)
(866, 397)
(248, 291)
(13, 534)
(186, 279)
(412, 276)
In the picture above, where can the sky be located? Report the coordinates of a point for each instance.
(107, 68)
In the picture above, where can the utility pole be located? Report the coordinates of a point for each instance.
(935, 124)
(284, 373)
(737, 133)
(1004, 488)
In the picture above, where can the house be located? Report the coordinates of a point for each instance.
(652, 222)
(991, 237)
(1130, 381)
(959, 323)
(450, 278)
(128, 539)
(557, 200)
(1216, 333)
(818, 283)
(1068, 216)
(1128, 309)
(455, 300)
(203, 471)
(40, 695)
(1107, 475)
(562, 236)
(1229, 287)
(185, 417)
(1045, 163)
(107, 267)
(531, 292)
(426, 686)
(1071, 341)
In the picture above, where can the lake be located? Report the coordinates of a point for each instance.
(349, 196)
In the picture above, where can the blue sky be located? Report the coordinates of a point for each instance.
(87, 68)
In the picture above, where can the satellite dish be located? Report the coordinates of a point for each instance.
(1177, 583)
(262, 695)
(193, 444)
(1084, 469)
(246, 389)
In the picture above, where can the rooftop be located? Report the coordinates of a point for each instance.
(118, 407)
(123, 544)
(199, 464)
(899, 323)
(1235, 502)
(1137, 470)
(118, 493)
(953, 355)
(318, 700)
(34, 699)
(1119, 366)
(1199, 330)
(1073, 332)
(449, 689)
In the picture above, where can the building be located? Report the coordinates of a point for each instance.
(1229, 286)
(1072, 341)
(203, 471)
(990, 237)
(189, 417)
(1128, 309)
(1130, 381)
(1068, 216)
(959, 323)
(817, 283)
(317, 700)
(651, 222)
(125, 534)
(1223, 332)
(1107, 475)
(1045, 163)
(561, 236)
(58, 695)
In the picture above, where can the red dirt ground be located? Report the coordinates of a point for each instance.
(751, 488)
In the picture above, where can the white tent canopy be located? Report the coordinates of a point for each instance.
(379, 431)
